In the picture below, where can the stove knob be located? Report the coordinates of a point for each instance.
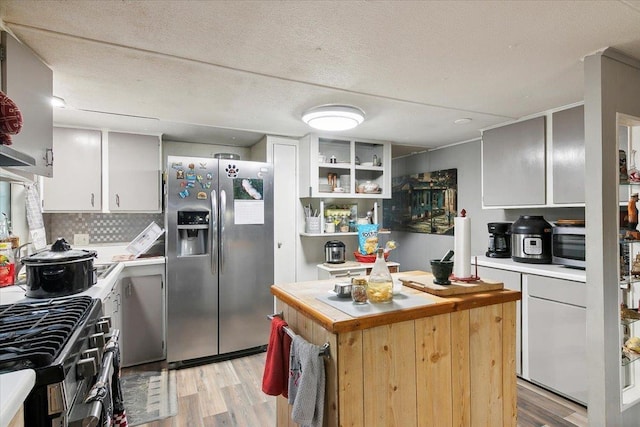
(103, 326)
(86, 368)
(107, 318)
(91, 352)
(97, 340)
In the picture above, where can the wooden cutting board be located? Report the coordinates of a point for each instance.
(424, 282)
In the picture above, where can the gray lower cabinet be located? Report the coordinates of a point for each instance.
(512, 281)
(111, 306)
(514, 164)
(567, 156)
(556, 330)
(143, 331)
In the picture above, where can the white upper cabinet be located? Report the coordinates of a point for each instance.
(513, 164)
(134, 172)
(332, 167)
(567, 156)
(77, 185)
(90, 161)
(538, 162)
(29, 83)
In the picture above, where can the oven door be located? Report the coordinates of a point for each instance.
(569, 246)
(92, 409)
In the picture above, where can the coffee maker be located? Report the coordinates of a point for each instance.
(499, 240)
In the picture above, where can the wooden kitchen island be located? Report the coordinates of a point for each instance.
(450, 363)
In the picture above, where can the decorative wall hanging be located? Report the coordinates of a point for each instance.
(423, 203)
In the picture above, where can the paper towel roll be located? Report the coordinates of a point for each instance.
(462, 247)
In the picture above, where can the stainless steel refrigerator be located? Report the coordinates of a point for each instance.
(219, 249)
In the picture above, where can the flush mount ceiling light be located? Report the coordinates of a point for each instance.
(462, 121)
(333, 117)
(58, 102)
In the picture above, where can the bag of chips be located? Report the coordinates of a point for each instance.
(367, 238)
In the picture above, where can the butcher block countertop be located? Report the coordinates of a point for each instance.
(302, 296)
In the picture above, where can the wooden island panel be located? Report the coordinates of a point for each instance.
(442, 369)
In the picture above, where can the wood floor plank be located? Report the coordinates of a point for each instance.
(542, 401)
(541, 414)
(189, 411)
(187, 385)
(242, 413)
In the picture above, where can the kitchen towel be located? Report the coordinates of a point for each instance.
(462, 246)
(276, 367)
(119, 412)
(306, 383)
(34, 217)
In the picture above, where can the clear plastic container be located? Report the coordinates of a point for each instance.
(7, 265)
(380, 285)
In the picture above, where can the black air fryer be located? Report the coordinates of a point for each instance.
(499, 240)
(531, 240)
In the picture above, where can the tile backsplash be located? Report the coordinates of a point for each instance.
(101, 227)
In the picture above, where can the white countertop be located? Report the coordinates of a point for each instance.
(15, 294)
(548, 270)
(15, 386)
(14, 389)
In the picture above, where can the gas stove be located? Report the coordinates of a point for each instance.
(63, 341)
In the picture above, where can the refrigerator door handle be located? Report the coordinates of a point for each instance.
(223, 212)
(214, 231)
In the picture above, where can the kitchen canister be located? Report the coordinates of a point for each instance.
(312, 225)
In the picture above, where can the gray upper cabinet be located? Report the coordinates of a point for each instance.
(513, 164)
(567, 150)
(29, 83)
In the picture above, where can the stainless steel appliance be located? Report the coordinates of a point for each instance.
(531, 240)
(499, 240)
(219, 249)
(334, 252)
(65, 341)
(568, 245)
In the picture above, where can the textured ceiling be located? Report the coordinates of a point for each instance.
(200, 70)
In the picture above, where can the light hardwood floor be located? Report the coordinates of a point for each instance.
(229, 393)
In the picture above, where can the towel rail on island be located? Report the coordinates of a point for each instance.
(324, 350)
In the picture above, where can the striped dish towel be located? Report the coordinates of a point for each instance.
(34, 217)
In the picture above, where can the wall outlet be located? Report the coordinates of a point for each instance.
(80, 239)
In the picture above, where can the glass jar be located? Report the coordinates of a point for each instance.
(344, 224)
(359, 290)
(329, 226)
(380, 286)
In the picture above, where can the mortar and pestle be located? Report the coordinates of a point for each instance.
(442, 269)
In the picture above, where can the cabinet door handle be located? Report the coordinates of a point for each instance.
(48, 157)
(93, 199)
(348, 274)
(117, 200)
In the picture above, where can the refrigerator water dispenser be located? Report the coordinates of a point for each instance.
(193, 230)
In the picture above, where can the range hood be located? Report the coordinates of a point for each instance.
(11, 157)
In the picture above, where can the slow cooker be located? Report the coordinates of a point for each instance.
(60, 271)
(334, 252)
(531, 238)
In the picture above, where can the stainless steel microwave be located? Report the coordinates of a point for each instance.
(568, 246)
